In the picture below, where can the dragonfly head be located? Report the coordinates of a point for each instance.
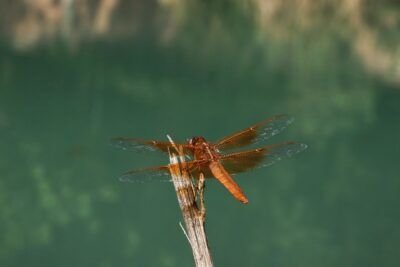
(196, 140)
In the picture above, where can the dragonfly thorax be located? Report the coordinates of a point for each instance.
(202, 150)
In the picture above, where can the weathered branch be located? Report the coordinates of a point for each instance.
(193, 217)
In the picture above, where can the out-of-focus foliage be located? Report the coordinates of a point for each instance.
(369, 27)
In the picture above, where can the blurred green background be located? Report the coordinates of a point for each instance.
(73, 74)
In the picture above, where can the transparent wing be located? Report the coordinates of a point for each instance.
(260, 157)
(162, 173)
(140, 145)
(256, 133)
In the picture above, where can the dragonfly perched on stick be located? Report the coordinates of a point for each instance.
(212, 159)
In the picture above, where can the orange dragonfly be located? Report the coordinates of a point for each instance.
(208, 157)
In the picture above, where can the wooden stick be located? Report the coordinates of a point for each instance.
(193, 217)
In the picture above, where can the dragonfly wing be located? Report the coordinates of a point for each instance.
(160, 173)
(260, 157)
(141, 145)
(256, 133)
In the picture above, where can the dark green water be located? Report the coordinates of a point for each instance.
(335, 204)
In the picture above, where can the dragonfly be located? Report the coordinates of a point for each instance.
(220, 159)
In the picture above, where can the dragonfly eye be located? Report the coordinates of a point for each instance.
(197, 140)
(191, 141)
